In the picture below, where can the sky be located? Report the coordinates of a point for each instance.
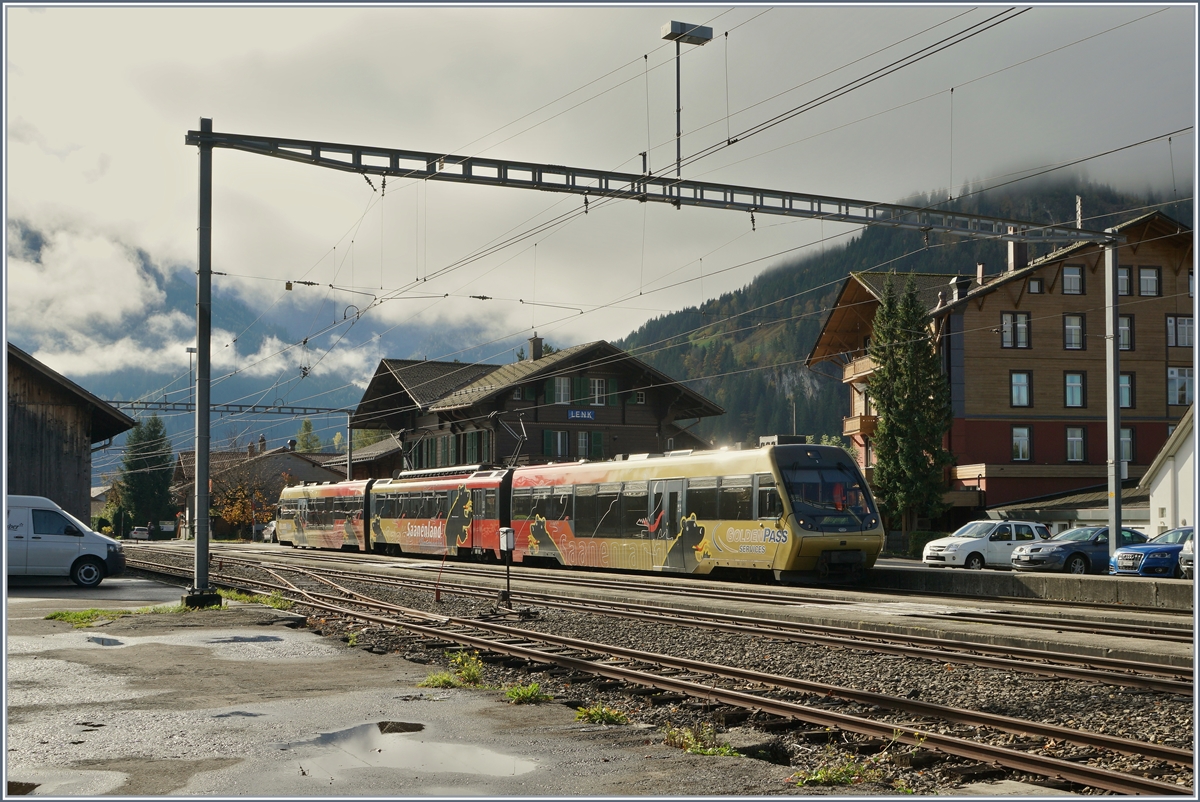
(101, 190)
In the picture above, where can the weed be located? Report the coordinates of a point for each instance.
(440, 679)
(352, 639)
(699, 741)
(839, 769)
(467, 667)
(527, 694)
(275, 600)
(599, 714)
(85, 618)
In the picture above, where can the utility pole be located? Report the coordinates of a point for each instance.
(682, 33)
(1112, 364)
(200, 594)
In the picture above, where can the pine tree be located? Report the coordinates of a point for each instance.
(307, 441)
(912, 399)
(144, 493)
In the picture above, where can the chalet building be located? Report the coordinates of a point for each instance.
(379, 459)
(1024, 354)
(590, 401)
(1170, 480)
(53, 426)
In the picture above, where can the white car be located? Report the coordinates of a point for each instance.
(46, 540)
(983, 543)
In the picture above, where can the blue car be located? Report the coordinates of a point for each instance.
(1158, 557)
(1076, 551)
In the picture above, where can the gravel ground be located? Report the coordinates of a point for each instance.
(1136, 714)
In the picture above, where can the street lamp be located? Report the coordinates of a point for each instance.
(191, 350)
(688, 34)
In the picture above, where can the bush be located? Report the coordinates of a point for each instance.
(917, 541)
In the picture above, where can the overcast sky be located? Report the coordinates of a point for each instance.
(99, 101)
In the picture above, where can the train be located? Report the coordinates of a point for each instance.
(787, 510)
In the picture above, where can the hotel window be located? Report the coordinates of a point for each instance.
(557, 444)
(1020, 443)
(1124, 278)
(1127, 446)
(1148, 281)
(1179, 330)
(1125, 332)
(1073, 332)
(1014, 330)
(583, 442)
(1075, 443)
(562, 389)
(598, 392)
(1126, 391)
(1179, 386)
(1075, 390)
(517, 394)
(1019, 381)
(639, 397)
(1036, 286)
(1072, 280)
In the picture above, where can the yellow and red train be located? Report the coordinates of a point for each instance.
(785, 509)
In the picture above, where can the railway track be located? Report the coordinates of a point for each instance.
(720, 683)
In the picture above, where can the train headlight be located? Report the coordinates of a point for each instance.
(806, 524)
(871, 522)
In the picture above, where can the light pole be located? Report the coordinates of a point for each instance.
(688, 34)
(191, 388)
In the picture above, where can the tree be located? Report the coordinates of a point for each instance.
(337, 442)
(307, 441)
(366, 437)
(912, 400)
(245, 494)
(142, 493)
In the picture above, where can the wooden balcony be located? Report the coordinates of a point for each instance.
(858, 369)
(861, 425)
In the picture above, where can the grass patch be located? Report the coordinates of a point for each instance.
(599, 714)
(85, 618)
(275, 600)
(527, 694)
(837, 769)
(701, 740)
(440, 679)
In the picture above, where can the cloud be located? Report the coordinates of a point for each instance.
(27, 133)
(84, 282)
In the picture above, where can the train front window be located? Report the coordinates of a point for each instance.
(830, 495)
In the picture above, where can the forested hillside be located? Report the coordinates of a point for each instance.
(745, 350)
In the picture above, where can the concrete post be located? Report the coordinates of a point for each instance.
(1113, 393)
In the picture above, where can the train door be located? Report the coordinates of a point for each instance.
(663, 522)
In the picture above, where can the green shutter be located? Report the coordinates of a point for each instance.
(597, 445)
(612, 392)
(547, 443)
(579, 389)
(549, 392)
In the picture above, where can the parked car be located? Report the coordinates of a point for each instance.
(139, 533)
(1076, 551)
(1157, 557)
(45, 540)
(981, 543)
(1187, 559)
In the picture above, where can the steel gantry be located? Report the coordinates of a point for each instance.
(604, 184)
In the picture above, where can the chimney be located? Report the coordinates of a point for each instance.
(250, 451)
(979, 273)
(535, 347)
(1018, 253)
(291, 445)
(958, 287)
(262, 443)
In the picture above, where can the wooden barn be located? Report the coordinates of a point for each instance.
(53, 424)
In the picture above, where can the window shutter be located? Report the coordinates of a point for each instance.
(612, 392)
(579, 389)
(547, 443)
(597, 445)
(550, 399)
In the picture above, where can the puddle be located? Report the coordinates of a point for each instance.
(242, 713)
(248, 639)
(105, 641)
(390, 745)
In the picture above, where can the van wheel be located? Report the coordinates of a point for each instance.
(1077, 564)
(974, 562)
(87, 573)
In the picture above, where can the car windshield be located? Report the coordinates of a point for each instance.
(1175, 536)
(1083, 533)
(975, 529)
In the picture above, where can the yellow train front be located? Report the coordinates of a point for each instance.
(788, 509)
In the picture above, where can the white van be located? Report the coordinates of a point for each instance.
(45, 540)
(981, 543)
